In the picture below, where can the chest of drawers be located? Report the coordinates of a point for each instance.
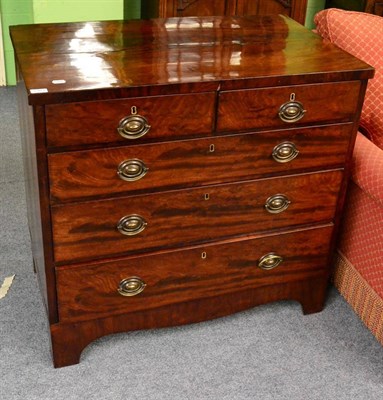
(180, 170)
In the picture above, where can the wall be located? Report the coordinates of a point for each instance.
(76, 10)
(16, 12)
(2, 65)
(13, 12)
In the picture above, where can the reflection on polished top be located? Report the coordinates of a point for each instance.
(189, 54)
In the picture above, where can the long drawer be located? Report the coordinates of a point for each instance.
(88, 230)
(130, 169)
(286, 106)
(150, 117)
(155, 280)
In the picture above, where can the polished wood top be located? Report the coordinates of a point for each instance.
(68, 62)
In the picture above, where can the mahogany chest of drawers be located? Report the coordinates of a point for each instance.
(179, 170)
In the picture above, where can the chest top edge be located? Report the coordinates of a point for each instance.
(114, 59)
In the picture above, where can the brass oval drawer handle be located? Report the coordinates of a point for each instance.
(132, 170)
(131, 286)
(131, 225)
(133, 126)
(277, 203)
(269, 261)
(291, 111)
(285, 152)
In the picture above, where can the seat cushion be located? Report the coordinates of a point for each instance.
(361, 35)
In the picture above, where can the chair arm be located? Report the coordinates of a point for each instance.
(367, 169)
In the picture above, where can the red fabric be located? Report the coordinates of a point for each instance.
(360, 276)
(367, 168)
(362, 236)
(361, 35)
(360, 295)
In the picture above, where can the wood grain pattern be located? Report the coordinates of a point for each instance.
(195, 7)
(310, 293)
(258, 108)
(176, 8)
(110, 59)
(267, 7)
(191, 75)
(97, 122)
(85, 174)
(86, 292)
(83, 231)
(32, 126)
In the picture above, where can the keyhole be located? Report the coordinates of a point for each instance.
(203, 255)
(207, 196)
(292, 97)
(133, 110)
(211, 148)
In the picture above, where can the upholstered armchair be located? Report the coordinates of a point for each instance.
(358, 270)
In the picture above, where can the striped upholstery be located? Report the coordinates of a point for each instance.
(358, 271)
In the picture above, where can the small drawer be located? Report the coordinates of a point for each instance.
(81, 175)
(155, 280)
(84, 231)
(128, 120)
(242, 110)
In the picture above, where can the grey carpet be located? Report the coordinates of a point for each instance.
(271, 352)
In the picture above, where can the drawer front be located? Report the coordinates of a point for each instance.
(86, 292)
(83, 231)
(126, 170)
(259, 108)
(98, 122)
